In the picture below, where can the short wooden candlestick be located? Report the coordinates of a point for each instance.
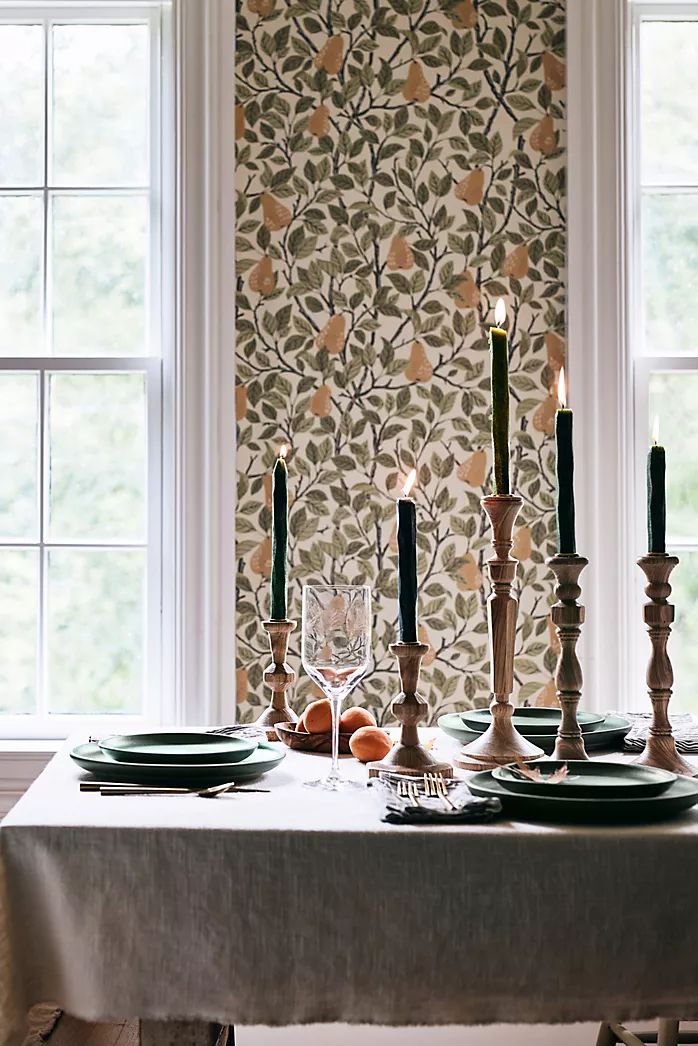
(409, 756)
(501, 743)
(568, 618)
(660, 750)
(279, 676)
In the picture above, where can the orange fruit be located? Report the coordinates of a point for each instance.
(319, 122)
(261, 558)
(416, 88)
(333, 335)
(330, 56)
(300, 725)
(474, 469)
(470, 188)
(275, 215)
(400, 255)
(418, 366)
(318, 717)
(521, 548)
(354, 718)
(321, 402)
(469, 578)
(555, 346)
(543, 137)
(464, 15)
(466, 293)
(553, 72)
(369, 743)
(262, 278)
(544, 416)
(516, 262)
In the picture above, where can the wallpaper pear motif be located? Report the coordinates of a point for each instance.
(400, 165)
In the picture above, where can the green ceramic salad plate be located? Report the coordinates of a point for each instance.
(587, 779)
(94, 759)
(177, 747)
(531, 720)
(609, 734)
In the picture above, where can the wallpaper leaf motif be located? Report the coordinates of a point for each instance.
(400, 165)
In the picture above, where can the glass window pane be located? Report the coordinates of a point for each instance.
(95, 630)
(21, 105)
(18, 457)
(673, 399)
(683, 645)
(669, 99)
(100, 105)
(99, 269)
(18, 629)
(670, 274)
(97, 457)
(21, 248)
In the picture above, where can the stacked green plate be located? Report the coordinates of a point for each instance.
(102, 764)
(593, 792)
(608, 734)
(530, 721)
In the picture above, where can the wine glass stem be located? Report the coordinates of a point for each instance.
(335, 702)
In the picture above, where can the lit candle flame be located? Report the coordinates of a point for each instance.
(562, 388)
(500, 312)
(283, 451)
(655, 430)
(409, 483)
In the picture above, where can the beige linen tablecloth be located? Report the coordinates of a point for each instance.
(303, 907)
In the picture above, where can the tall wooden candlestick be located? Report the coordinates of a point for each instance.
(501, 743)
(568, 618)
(279, 676)
(660, 750)
(409, 756)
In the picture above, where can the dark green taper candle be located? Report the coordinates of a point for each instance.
(565, 475)
(407, 565)
(656, 497)
(499, 352)
(279, 537)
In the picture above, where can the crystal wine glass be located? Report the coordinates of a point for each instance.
(336, 651)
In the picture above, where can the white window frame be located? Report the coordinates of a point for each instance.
(193, 464)
(609, 381)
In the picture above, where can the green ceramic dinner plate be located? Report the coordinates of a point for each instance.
(177, 747)
(679, 796)
(609, 734)
(587, 779)
(92, 758)
(531, 720)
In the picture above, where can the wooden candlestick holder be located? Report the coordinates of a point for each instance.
(660, 749)
(501, 743)
(568, 618)
(409, 756)
(279, 676)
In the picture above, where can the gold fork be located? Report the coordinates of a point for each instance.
(408, 790)
(434, 785)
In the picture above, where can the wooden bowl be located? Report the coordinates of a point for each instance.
(287, 733)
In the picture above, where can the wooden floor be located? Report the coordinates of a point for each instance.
(71, 1032)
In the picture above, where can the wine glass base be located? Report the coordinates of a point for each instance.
(334, 784)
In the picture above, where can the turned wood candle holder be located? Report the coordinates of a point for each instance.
(409, 756)
(501, 743)
(568, 618)
(279, 676)
(660, 749)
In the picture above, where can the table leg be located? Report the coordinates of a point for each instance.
(668, 1033)
(185, 1033)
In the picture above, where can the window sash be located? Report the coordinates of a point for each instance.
(156, 368)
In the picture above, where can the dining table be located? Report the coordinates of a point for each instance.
(302, 906)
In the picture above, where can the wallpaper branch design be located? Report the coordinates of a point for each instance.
(400, 165)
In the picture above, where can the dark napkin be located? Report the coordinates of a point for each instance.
(469, 809)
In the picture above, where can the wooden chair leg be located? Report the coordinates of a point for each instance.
(668, 1033)
(623, 1035)
(605, 1036)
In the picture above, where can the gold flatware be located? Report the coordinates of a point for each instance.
(105, 788)
(408, 790)
(435, 786)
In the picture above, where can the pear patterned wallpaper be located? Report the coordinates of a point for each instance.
(400, 164)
